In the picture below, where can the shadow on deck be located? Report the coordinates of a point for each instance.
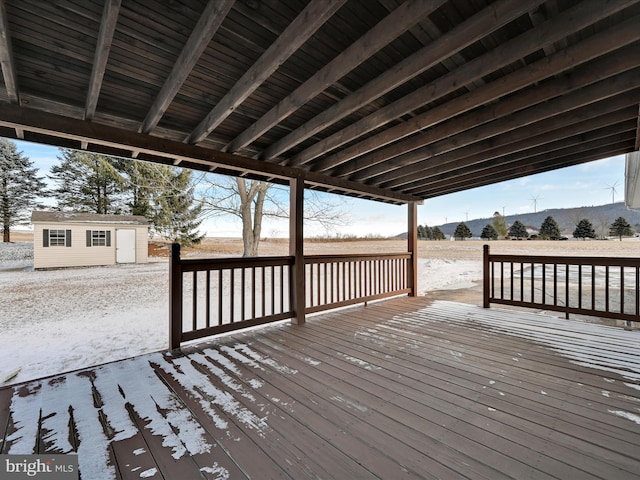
(404, 388)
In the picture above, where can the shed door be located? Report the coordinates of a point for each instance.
(125, 246)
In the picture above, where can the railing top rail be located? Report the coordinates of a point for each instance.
(191, 264)
(355, 256)
(570, 260)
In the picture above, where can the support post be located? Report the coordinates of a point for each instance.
(486, 277)
(412, 248)
(175, 297)
(296, 250)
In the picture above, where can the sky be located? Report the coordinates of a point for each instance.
(582, 185)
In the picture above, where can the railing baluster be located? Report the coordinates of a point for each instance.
(566, 289)
(195, 301)
(253, 292)
(232, 295)
(606, 289)
(208, 299)
(555, 284)
(242, 294)
(220, 292)
(544, 283)
(579, 286)
(593, 287)
(621, 289)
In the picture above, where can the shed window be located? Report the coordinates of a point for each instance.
(98, 238)
(58, 238)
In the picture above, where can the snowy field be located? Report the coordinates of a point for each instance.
(60, 320)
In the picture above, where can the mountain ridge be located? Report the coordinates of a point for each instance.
(600, 216)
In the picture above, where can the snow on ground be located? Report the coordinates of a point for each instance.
(57, 321)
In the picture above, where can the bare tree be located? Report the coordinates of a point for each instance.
(252, 200)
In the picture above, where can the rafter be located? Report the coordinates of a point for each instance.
(438, 139)
(392, 26)
(208, 24)
(569, 21)
(571, 123)
(494, 161)
(304, 25)
(487, 20)
(638, 130)
(551, 161)
(162, 150)
(589, 95)
(103, 47)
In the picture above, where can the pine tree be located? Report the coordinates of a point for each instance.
(489, 233)
(584, 229)
(549, 230)
(175, 217)
(462, 231)
(421, 232)
(19, 188)
(87, 182)
(621, 228)
(518, 230)
(428, 232)
(436, 234)
(499, 225)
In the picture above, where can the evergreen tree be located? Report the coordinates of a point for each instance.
(584, 229)
(462, 231)
(499, 225)
(489, 233)
(421, 232)
(175, 217)
(87, 182)
(549, 230)
(518, 230)
(436, 234)
(19, 188)
(621, 228)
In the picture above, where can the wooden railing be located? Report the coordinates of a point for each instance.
(340, 280)
(211, 296)
(606, 287)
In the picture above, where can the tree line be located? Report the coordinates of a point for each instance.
(174, 200)
(549, 230)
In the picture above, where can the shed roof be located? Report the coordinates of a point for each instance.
(81, 217)
(386, 99)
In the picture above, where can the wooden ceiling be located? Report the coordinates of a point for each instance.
(386, 99)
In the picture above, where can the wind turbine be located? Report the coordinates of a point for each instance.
(535, 202)
(613, 191)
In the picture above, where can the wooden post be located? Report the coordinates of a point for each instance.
(412, 248)
(486, 277)
(296, 249)
(175, 297)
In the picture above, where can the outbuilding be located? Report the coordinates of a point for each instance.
(66, 239)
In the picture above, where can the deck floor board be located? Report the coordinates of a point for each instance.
(405, 388)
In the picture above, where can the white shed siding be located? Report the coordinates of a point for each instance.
(79, 254)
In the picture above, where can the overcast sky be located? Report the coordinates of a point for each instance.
(583, 185)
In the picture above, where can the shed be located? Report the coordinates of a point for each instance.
(68, 239)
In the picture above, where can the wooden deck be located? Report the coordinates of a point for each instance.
(400, 389)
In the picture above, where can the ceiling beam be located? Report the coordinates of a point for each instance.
(569, 21)
(6, 57)
(602, 90)
(166, 151)
(500, 163)
(638, 130)
(303, 26)
(7, 62)
(101, 56)
(483, 23)
(208, 24)
(388, 29)
(413, 149)
(552, 161)
(597, 115)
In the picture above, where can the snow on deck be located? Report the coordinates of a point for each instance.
(400, 389)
